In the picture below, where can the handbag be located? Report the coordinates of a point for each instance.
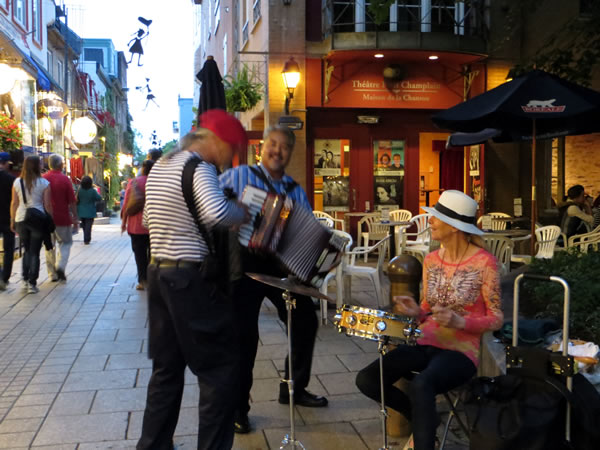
(36, 219)
(135, 201)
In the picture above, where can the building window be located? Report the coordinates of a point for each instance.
(225, 55)
(217, 15)
(59, 72)
(94, 54)
(20, 12)
(50, 61)
(36, 20)
(256, 11)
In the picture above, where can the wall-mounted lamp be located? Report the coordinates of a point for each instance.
(291, 77)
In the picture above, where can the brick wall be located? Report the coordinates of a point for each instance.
(582, 162)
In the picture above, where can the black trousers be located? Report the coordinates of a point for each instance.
(32, 242)
(190, 323)
(248, 298)
(140, 244)
(8, 241)
(438, 370)
(86, 226)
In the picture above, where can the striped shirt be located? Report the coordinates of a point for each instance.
(173, 231)
(239, 177)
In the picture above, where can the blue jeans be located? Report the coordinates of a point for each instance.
(32, 242)
(8, 240)
(432, 371)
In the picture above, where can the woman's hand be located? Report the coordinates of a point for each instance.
(405, 306)
(445, 317)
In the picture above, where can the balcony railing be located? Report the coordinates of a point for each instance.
(256, 11)
(465, 18)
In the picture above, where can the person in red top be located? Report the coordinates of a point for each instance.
(64, 207)
(140, 239)
(460, 301)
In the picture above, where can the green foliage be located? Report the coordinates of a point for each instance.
(582, 272)
(242, 92)
(169, 146)
(571, 52)
(379, 10)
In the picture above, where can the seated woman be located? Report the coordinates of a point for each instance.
(576, 214)
(460, 301)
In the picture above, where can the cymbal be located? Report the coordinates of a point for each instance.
(289, 284)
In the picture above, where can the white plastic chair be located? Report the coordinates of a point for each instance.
(546, 238)
(375, 230)
(590, 241)
(497, 225)
(375, 274)
(400, 215)
(578, 238)
(421, 237)
(338, 275)
(502, 248)
(334, 221)
(326, 221)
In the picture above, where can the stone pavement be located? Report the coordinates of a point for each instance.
(74, 370)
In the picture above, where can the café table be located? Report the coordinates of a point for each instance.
(392, 227)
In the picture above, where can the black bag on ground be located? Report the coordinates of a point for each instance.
(532, 332)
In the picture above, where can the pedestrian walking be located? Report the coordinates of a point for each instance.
(8, 236)
(191, 321)
(87, 197)
(140, 239)
(249, 294)
(30, 190)
(64, 209)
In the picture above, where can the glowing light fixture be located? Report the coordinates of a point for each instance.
(7, 78)
(291, 78)
(83, 130)
(433, 57)
(378, 55)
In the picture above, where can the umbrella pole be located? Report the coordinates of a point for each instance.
(533, 193)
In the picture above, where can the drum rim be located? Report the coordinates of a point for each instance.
(373, 312)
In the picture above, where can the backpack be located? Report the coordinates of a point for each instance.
(135, 201)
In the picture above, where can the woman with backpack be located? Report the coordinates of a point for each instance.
(131, 221)
(30, 190)
(87, 197)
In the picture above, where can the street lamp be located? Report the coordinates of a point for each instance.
(291, 77)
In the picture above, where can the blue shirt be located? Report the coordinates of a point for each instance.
(239, 177)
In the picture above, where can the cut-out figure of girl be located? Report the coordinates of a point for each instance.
(136, 47)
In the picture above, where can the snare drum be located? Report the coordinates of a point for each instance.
(372, 324)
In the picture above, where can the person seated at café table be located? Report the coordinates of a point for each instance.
(576, 212)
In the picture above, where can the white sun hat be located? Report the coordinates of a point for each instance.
(456, 209)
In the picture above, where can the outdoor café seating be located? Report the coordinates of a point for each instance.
(546, 238)
(335, 222)
(370, 228)
(496, 224)
(502, 248)
(336, 274)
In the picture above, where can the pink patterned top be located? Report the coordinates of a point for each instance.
(472, 290)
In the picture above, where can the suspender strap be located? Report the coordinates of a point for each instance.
(188, 193)
(288, 186)
(23, 191)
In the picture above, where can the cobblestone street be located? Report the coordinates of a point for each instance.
(74, 370)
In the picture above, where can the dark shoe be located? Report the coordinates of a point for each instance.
(61, 275)
(304, 398)
(241, 424)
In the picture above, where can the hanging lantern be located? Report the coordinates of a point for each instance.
(83, 130)
(7, 78)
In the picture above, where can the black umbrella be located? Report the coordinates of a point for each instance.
(212, 91)
(533, 106)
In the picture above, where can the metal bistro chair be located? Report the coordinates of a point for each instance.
(502, 248)
(338, 275)
(323, 215)
(375, 274)
(375, 230)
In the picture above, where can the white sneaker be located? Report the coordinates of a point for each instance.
(33, 289)
(25, 287)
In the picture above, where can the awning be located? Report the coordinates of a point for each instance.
(44, 79)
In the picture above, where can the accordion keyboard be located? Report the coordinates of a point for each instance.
(254, 199)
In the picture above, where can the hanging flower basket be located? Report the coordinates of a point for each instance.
(242, 92)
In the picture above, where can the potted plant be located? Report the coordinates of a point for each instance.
(242, 92)
(11, 136)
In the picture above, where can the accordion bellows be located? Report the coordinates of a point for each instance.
(305, 247)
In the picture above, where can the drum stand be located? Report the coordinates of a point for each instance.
(383, 411)
(290, 439)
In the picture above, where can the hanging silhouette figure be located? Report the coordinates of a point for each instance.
(136, 47)
(153, 138)
(149, 95)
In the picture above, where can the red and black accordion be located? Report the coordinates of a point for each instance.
(305, 247)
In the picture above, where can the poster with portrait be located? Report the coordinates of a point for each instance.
(328, 156)
(388, 192)
(336, 193)
(474, 161)
(388, 157)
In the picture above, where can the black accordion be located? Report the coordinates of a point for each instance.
(305, 247)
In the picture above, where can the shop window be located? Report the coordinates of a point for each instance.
(388, 163)
(331, 175)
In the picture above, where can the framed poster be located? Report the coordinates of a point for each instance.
(336, 191)
(388, 157)
(388, 191)
(328, 157)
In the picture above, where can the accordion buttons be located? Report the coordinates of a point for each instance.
(351, 320)
(381, 325)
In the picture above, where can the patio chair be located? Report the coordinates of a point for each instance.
(420, 251)
(370, 229)
(591, 241)
(421, 237)
(334, 221)
(546, 238)
(502, 248)
(578, 238)
(338, 275)
(326, 221)
(375, 274)
(496, 224)
(399, 215)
